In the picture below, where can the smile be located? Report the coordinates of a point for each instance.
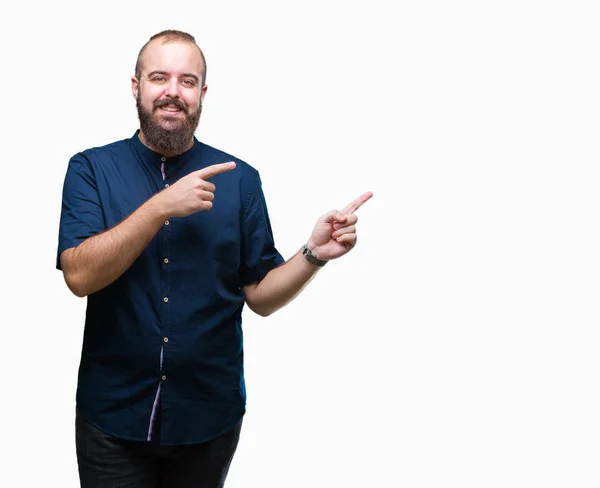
(170, 108)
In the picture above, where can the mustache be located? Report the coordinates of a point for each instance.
(174, 101)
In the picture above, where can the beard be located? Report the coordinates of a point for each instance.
(172, 135)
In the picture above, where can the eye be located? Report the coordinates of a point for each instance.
(189, 82)
(158, 79)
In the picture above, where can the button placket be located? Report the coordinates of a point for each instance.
(166, 289)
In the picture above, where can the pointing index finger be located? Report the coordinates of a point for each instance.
(356, 204)
(215, 169)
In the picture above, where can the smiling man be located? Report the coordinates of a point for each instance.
(167, 260)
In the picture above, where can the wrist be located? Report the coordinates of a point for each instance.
(158, 206)
(311, 256)
(312, 247)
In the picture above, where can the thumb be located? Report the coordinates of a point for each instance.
(334, 216)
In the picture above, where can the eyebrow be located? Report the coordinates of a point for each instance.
(185, 75)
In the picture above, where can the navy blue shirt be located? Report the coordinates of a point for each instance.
(168, 333)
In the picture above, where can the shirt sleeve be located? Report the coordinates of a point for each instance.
(81, 212)
(259, 255)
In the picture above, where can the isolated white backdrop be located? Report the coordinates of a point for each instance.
(457, 344)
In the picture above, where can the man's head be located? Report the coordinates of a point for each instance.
(169, 86)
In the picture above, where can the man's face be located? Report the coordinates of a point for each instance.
(169, 94)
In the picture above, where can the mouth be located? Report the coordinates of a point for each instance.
(169, 109)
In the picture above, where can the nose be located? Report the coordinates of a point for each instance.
(172, 89)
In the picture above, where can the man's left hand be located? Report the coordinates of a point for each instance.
(335, 232)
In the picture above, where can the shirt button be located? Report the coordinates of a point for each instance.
(166, 185)
(166, 339)
(163, 159)
(167, 222)
(164, 377)
(165, 299)
(166, 260)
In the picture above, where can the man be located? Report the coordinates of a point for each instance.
(167, 263)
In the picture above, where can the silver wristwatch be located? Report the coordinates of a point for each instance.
(311, 258)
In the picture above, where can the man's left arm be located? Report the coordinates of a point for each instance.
(334, 235)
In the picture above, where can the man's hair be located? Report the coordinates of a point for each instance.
(169, 36)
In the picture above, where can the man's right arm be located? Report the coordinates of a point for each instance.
(101, 259)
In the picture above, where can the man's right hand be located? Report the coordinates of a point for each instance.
(192, 193)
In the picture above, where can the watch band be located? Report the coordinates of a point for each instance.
(311, 258)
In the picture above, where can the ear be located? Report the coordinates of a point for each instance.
(203, 93)
(135, 86)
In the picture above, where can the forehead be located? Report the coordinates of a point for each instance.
(172, 57)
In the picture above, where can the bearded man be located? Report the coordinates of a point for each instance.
(167, 264)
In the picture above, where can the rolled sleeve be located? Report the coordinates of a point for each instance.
(81, 213)
(259, 255)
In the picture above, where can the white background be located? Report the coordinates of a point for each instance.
(457, 345)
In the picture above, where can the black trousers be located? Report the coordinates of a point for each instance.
(108, 462)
